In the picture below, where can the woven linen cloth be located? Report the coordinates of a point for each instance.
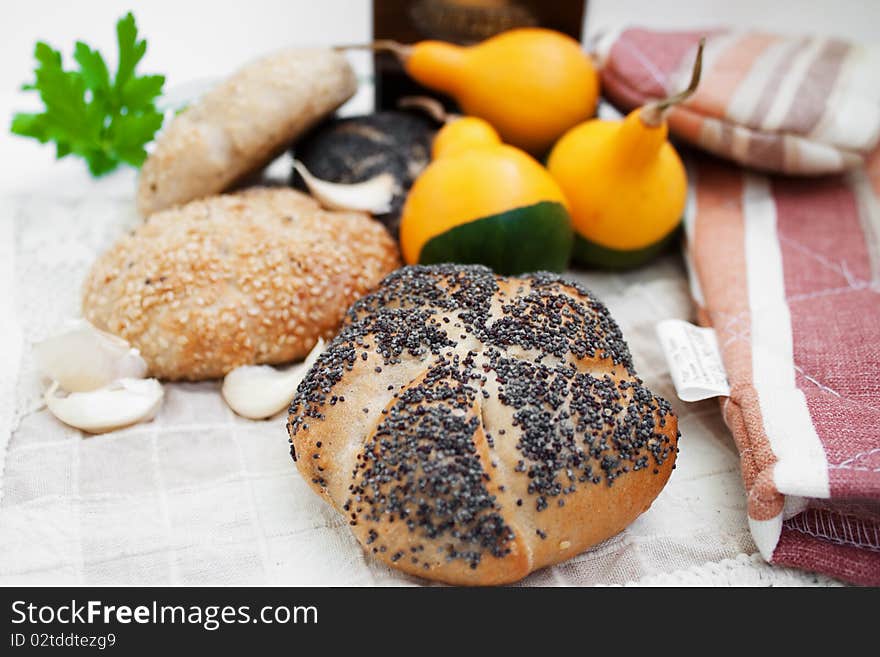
(787, 271)
(795, 105)
(201, 496)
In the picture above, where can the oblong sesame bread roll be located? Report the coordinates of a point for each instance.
(241, 124)
(252, 277)
(473, 428)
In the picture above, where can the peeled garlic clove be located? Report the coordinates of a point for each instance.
(260, 391)
(373, 195)
(82, 358)
(123, 403)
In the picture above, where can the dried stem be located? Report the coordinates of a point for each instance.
(653, 114)
(430, 106)
(399, 50)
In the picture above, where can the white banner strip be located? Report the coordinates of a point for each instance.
(802, 468)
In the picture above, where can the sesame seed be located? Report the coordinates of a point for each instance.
(214, 284)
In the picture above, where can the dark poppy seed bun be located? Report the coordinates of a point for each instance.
(355, 149)
(236, 279)
(473, 428)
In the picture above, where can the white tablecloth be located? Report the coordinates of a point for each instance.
(200, 496)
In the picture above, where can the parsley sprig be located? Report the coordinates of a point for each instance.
(104, 121)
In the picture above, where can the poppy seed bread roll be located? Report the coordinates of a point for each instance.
(237, 279)
(473, 428)
(241, 124)
(357, 148)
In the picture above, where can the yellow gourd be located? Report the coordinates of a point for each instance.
(531, 84)
(483, 201)
(625, 183)
(462, 134)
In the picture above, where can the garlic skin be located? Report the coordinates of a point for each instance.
(261, 391)
(117, 405)
(97, 379)
(81, 358)
(373, 195)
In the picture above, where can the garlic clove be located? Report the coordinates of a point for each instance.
(373, 195)
(81, 358)
(120, 404)
(260, 391)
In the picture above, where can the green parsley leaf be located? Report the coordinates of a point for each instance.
(104, 121)
(131, 51)
(94, 70)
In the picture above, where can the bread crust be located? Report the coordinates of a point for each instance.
(235, 279)
(241, 124)
(474, 428)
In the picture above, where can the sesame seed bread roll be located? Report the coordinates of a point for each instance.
(241, 124)
(246, 278)
(473, 428)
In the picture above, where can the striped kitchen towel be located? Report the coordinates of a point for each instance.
(794, 105)
(787, 271)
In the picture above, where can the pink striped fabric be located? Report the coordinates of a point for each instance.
(794, 105)
(788, 274)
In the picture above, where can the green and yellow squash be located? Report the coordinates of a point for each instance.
(484, 202)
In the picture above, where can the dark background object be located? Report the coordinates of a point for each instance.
(458, 21)
(358, 148)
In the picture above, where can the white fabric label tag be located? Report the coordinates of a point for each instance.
(694, 360)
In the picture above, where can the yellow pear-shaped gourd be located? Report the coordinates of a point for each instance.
(531, 84)
(483, 201)
(625, 183)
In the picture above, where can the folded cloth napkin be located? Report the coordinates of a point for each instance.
(787, 271)
(794, 105)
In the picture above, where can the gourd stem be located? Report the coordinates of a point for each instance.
(653, 114)
(430, 106)
(399, 50)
